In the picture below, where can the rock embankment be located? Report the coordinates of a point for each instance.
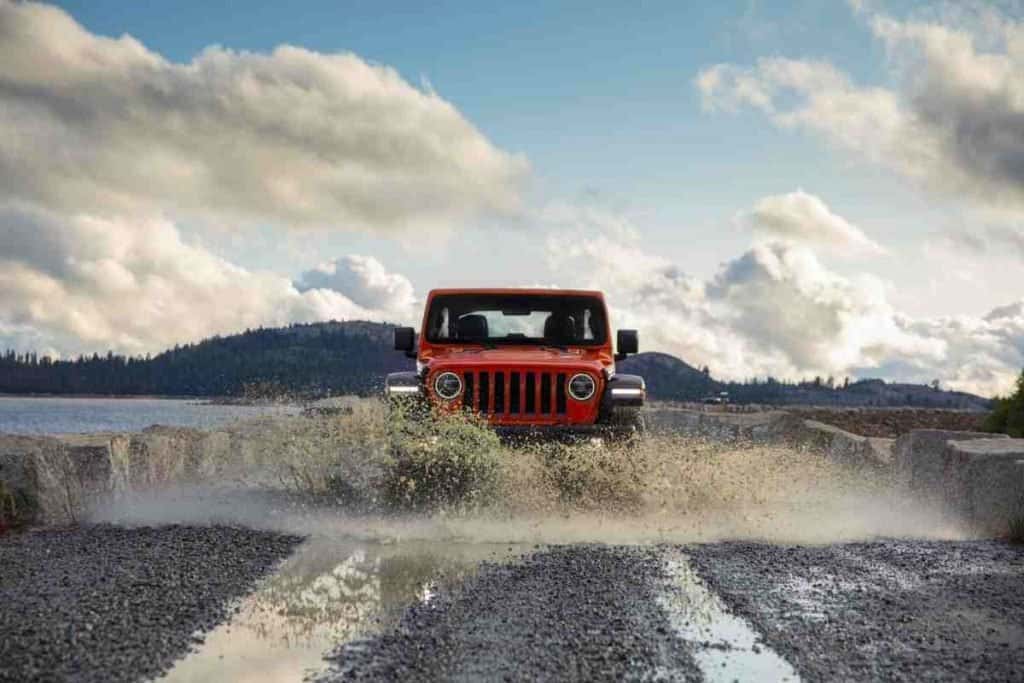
(974, 478)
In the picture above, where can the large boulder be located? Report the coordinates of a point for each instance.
(921, 461)
(159, 455)
(986, 478)
(49, 480)
(839, 445)
(759, 426)
(776, 426)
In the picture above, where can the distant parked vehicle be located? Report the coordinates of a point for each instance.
(527, 360)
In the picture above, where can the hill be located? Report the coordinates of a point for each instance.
(307, 360)
(352, 357)
(671, 379)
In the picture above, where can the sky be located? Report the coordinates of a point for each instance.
(785, 189)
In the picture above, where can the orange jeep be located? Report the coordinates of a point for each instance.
(527, 360)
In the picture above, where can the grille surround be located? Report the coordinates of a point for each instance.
(523, 395)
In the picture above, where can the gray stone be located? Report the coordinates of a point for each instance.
(987, 477)
(776, 426)
(921, 461)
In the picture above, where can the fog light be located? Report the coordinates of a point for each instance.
(448, 385)
(582, 387)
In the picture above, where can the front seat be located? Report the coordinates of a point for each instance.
(472, 326)
(560, 328)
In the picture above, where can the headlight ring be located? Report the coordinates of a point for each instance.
(448, 385)
(582, 386)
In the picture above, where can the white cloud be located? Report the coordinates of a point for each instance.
(802, 218)
(956, 124)
(294, 137)
(365, 281)
(777, 310)
(85, 283)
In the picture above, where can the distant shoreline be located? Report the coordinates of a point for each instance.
(208, 399)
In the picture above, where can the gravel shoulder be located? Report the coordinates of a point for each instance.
(891, 610)
(107, 603)
(569, 613)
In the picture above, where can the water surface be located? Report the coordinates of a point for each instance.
(61, 415)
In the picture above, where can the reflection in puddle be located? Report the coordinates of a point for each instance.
(726, 648)
(330, 592)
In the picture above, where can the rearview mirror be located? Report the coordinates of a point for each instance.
(626, 343)
(405, 339)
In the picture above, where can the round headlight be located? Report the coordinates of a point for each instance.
(582, 387)
(448, 385)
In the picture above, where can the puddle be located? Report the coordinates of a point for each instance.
(331, 591)
(726, 646)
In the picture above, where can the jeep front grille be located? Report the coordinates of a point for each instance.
(514, 392)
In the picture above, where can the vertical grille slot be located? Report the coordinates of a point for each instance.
(545, 393)
(468, 394)
(499, 392)
(531, 393)
(515, 395)
(485, 392)
(560, 395)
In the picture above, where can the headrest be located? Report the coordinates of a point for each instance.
(473, 326)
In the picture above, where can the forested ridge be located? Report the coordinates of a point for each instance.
(352, 357)
(315, 360)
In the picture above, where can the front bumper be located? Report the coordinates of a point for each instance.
(621, 401)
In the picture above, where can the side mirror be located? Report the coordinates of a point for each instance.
(405, 340)
(626, 343)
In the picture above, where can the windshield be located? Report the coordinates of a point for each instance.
(517, 319)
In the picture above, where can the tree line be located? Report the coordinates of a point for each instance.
(314, 360)
(352, 357)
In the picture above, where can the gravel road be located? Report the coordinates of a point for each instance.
(107, 603)
(888, 610)
(586, 613)
(892, 610)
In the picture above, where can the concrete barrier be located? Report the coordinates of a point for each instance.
(49, 480)
(53, 480)
(722, 425)
(776, 426)
(56, 479)
(971, 477)
(922, 464)
(987, 477)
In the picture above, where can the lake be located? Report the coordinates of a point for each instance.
(52, 415)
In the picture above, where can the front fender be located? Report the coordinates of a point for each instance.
(403, 385)
(623, 394)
